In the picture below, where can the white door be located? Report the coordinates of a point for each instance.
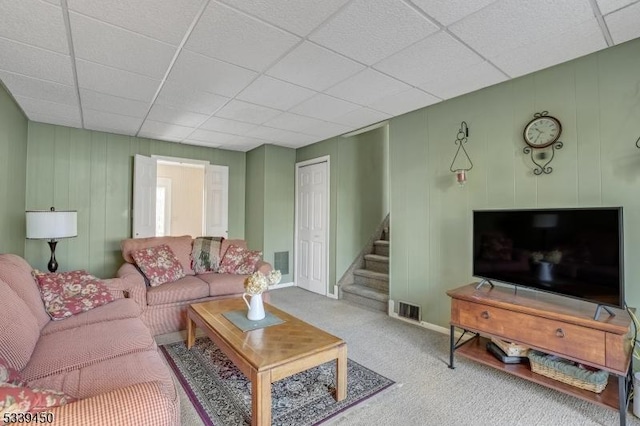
(216, 189)
(144, 196)
(312, 226)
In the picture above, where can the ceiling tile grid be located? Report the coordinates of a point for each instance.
(236, 74)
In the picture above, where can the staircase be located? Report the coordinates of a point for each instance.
(370, 286)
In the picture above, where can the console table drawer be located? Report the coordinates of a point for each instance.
(554, 336)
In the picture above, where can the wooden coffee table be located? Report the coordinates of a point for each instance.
(268, 354)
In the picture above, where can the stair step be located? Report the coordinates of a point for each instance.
(376, 263)
(381, 247)
(375, 280)
(365, 296)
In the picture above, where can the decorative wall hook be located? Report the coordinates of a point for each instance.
(461, 140)
(638, 142)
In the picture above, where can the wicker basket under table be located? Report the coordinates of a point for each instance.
(564, 371)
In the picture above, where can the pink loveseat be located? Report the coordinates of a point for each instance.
(105, 357)
(164, 306)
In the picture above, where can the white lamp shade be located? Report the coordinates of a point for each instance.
(51, 225)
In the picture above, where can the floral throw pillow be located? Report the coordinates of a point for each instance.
(205, 254)
(20, 399)
(159, 264)
(238, 260)
(70, 293)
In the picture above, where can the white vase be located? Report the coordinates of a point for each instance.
(256, 307)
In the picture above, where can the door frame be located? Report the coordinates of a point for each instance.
(318, 160)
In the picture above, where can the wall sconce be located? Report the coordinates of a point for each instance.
(638, 143)
(461, 169)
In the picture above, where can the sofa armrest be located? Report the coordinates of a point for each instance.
(116, 287)
(140, 404)
(133, 283)
(264, 267)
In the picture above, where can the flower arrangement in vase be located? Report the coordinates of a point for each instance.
(256, 284)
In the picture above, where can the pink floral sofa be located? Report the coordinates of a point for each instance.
(164, 306)
(104, 360)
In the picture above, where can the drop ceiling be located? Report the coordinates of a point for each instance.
(237, 74)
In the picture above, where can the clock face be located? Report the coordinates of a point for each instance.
(542, 131)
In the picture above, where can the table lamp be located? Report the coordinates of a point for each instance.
(52, 225)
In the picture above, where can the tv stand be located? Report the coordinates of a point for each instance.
(600, 308)
(548, 323)
(481, 283)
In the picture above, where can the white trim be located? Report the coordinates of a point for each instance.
(318, 160)
(281, 285)
(423, 324)
(162, 159)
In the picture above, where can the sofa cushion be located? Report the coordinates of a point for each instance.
(181, 247)
(16, 273)
(158, 264)
(118, 309)
(238, 260)
(19, 330)
(9, 374)
(19, 399)
(78, 347)
(224, 284)
(69, 293)
(187, 288)
(111, 374)
(205, 254)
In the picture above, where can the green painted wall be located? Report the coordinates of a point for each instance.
(359, 199)
(270, 202)
(597, 99)
(13, 177)
(92, 172)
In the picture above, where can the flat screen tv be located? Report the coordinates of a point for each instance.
(571, 252)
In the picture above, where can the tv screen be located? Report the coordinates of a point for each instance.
(572, 252)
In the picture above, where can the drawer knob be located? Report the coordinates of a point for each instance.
(559, 332)
(485, 314)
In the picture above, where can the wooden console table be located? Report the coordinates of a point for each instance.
(548, 323)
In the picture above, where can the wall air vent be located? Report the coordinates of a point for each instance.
(281, 262)
(406, 310)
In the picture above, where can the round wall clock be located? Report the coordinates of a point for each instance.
(542, 131)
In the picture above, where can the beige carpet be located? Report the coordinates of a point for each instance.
(426, 391)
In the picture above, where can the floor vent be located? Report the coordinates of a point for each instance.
(408, 311)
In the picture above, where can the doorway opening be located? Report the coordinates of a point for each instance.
(179, 199)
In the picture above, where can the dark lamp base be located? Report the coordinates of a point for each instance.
(53, 263)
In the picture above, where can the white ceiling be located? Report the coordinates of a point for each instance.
(236, 74)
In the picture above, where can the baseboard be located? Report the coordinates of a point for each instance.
(282, 285)
(424, 324)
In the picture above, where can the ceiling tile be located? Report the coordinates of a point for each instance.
(623, 24)
(227, 126)
(210, 75)
(327, 130)
(52, 109)
(58, 121)
(315, 67)
(210, 137)
(403, 102)
(232, 36)
(167, 114)
(185, 97)
(156, 129)
(450, 11)
(112, 81)
(274, 93)
(293, 122)
(278, 136)
(112, 46)
(506, 24)
(362, 117)
(608, 6)
(246, 112)
(165, 20)
(578, 41)
(324, 107)
(200, 143)
(366, 87)
(108, 122)
(244, 143)
(299, 17)
(35, 62)
(370, 30)
(20, 85)
(113, 104)
(35, 23)
(438, 54)
(464, 81)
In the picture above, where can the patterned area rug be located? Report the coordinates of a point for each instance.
(222, 394)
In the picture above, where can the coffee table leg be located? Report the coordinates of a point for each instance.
(191, 332)
(341, 373)
(261, 398)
